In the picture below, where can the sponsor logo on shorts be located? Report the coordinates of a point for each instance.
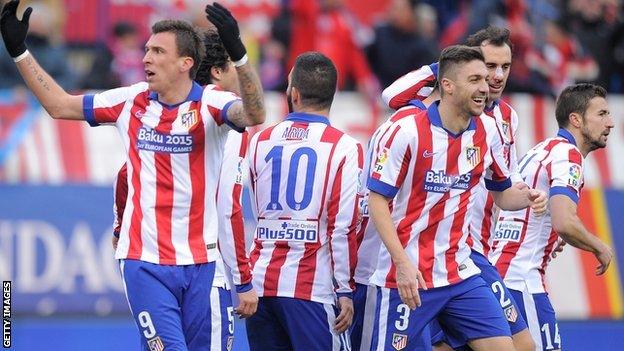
(399, 341)
(229, 344)
(511, 314)
(155, 344)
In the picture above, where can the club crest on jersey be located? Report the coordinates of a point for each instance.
(239, 172)
(155, 344)
(382, 158)
(399, 341)
(505, 126)
(189, 119)
(473, 155)
(511, 314)
(574, 173)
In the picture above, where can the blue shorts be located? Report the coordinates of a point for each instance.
(466, 310)
(361, 330)
(540, 316)
(171, 305)
(284, 323)
(222, 322)
(507, 302)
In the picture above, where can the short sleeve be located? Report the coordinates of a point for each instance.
(218, 103)
(106, 107)
(566, 174)
(392, 161)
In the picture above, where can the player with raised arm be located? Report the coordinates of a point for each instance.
(218, 69)
(496, 46)
(174, 132)
(429, 167)
(524, 242)
(304, 177)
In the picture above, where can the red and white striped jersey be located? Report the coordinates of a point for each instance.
(174, 153)
(432, 174)
(522, 241)
(230, 209)
(368, 238)
(417, 85)
(305, 177)
(120, 195)
(484, 210)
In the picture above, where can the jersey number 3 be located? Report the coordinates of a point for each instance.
(293, 170)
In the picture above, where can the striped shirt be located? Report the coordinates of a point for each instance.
(368, 237)
(174, 153)
(305, 177)
(523, 241)
(432, 174)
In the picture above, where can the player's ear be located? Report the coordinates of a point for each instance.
(575, 119)
(446, 85)
(215, 73)
(186, 64)
(295, 95)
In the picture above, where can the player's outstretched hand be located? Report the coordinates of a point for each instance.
(14, 30)
(538, 201)
(247, 303)
(604, 256)
(227, 27)
(409, 279)
(344, 319)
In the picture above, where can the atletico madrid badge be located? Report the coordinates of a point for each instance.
(189, 119)
(473, 155)
(155, 344)
(511, 314)
(399, 341)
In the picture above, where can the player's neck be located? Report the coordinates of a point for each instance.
(583, 147)
(312, 111)
(452, 118)
(176, 93)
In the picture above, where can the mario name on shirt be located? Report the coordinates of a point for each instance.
(150, 140)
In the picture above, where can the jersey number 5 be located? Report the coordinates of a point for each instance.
(276, 173)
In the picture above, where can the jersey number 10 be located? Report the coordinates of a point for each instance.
(276, 173)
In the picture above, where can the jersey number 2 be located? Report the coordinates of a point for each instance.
(276, 174)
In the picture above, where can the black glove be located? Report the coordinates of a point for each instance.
(228, 30)
(13, 30)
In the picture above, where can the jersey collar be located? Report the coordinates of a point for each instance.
(306, 117)
(434, 117)
(491, 108)
(564, 133)
(194, 95)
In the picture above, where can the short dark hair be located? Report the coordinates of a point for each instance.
(216, 56)
(314, 75)
(454, 55)
(123, 28)
(575, 99)
(188, 41)
(494, 35)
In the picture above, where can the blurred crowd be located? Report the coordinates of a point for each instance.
(372, 42)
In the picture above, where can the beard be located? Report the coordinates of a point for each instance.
(290, 104)
(593, 143)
